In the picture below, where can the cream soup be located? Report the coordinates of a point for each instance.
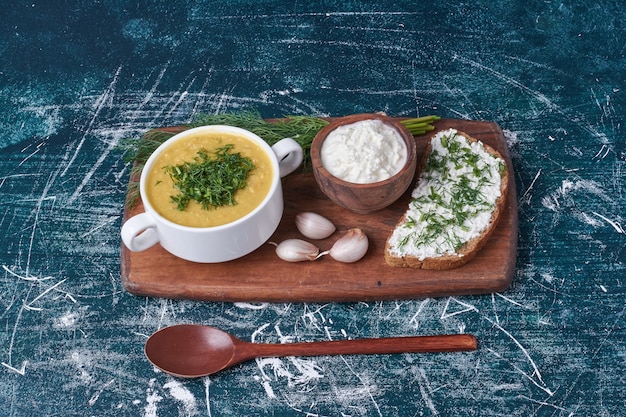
(160, 187)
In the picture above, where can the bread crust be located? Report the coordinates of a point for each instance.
(469, 250)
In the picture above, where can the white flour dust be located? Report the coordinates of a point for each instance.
(152, 400)
(564, 195)
(182, 394)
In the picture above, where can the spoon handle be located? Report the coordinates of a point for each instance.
(387, 345)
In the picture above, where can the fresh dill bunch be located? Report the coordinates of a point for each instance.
(138, 150)
(300, 128)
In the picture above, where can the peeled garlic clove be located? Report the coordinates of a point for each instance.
(350, 247)
(314, 226)
(296, 250)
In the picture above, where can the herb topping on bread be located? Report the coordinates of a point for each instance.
(460, 194)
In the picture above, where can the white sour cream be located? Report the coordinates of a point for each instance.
(364, 152)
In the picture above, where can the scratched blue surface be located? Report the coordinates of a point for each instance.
(77, 77)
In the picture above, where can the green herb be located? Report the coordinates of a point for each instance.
(139, 149)
(405, 240)
(410, 222)
(450, 202)
(300, 128)
(420, 125)
(210, 179)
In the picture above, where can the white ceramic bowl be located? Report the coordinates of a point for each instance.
(219, 243)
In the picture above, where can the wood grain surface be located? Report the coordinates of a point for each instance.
(262, 276)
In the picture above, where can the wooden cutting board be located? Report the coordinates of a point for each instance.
(262, 277)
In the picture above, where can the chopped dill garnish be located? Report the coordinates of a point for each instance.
(210, 179)
(410, 222)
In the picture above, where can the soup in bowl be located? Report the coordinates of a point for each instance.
(211, 194)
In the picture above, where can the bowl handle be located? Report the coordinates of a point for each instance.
(289, 154)
(140, 232)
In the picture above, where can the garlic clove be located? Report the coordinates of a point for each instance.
(350, 247)
(314, 226)
(296, 250)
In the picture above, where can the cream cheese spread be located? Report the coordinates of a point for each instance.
(454, 200)
(364, 152)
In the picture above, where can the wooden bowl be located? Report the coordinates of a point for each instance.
(370, 197)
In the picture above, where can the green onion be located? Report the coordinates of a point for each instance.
(420, 125)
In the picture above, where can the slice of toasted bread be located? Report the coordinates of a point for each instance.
(460, 195)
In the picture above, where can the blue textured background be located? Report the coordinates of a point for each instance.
(77, 77)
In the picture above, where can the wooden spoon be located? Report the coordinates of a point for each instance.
(192, 350)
